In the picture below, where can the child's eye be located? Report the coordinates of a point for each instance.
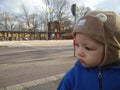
(89, 49)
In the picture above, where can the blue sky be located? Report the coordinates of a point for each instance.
(14, 5)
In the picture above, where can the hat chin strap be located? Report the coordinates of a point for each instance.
(105, 48)
(105, 56)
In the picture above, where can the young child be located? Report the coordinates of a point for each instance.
(97, 35)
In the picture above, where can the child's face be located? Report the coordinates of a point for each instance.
(89, 52)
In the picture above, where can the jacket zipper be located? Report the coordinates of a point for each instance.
(100, 78)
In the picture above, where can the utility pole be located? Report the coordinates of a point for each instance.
(73, 10)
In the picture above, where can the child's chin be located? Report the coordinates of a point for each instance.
(86, 66)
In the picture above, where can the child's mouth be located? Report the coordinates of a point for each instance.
(82, 61)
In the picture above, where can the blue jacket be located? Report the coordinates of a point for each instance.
(80, 78)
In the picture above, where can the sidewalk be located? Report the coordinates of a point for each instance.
(36, 43)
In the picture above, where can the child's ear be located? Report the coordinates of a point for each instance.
(74, 35)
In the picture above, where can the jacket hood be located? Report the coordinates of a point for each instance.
(104, 27)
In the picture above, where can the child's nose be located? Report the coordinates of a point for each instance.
(81, 54)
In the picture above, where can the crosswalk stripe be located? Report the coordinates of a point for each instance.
(24, 85)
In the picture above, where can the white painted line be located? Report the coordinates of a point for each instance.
(24, 85)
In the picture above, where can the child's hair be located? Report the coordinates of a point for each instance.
(103, 26)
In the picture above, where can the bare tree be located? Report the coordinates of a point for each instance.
(34, 19)
(8, 21)
(29, 21)
(4, 21)
(56, 10)
(26, 15)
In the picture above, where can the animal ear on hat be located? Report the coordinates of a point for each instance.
(102, 17)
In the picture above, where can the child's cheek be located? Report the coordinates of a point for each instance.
(77, 53)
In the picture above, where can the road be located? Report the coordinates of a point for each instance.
(29, 64)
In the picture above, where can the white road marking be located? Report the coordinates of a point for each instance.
(24, 85)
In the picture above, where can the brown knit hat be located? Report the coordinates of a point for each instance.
(103, 26)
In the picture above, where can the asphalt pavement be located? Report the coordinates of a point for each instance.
(49, 83)
(52, 85)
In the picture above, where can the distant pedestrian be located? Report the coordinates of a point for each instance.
(97, 36)
(52, 36)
